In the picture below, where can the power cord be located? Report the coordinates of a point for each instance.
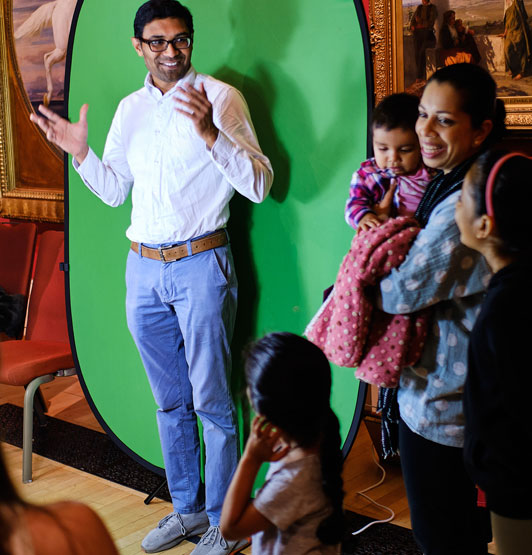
(363, 494)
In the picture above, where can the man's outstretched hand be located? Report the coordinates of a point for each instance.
(71, 137)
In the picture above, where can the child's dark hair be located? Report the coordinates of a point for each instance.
(398, 110)
(289, 381)
(510, 184)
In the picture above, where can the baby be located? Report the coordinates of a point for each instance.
(393, 182)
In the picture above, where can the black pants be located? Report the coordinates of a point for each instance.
(442, 498)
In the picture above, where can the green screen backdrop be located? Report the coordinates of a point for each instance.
(301, 67)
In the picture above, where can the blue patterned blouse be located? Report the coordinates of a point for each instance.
(441, 273)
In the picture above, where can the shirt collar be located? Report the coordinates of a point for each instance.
(382, 171)
(189, 78)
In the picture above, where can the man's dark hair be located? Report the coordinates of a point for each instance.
(398, 110)
(161, 9)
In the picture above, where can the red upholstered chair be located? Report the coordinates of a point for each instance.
(44, 353)
(17, 242)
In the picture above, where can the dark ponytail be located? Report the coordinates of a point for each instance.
(331, 530)
(499, 125)
(289, 381)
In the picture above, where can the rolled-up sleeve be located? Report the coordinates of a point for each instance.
(110, 179)
(236, 151)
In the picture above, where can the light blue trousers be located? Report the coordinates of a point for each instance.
(181, 315)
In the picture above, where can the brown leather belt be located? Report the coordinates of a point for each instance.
(171, 254)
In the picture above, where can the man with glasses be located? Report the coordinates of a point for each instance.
(182, 144)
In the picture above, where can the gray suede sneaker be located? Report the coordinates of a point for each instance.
(173, 529)
(213, 543)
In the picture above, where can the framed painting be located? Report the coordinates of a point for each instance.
(413, 38)
(33, 43)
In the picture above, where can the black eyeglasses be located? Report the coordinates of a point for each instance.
(160, 45)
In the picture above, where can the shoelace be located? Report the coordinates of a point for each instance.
(210, 537)
(163, 521)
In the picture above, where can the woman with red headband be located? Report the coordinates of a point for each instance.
(498, 434)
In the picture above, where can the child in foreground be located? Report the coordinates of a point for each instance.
(58, 528)
(393, 182)
(498, 434)
(299, 508)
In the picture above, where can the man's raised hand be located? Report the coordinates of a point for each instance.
(71, 137)
(197, 108)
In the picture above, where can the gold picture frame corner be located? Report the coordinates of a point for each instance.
(28, 197)
(386, 34)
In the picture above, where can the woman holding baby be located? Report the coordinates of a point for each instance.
(459, 117)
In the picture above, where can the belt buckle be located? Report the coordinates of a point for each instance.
(161, 254)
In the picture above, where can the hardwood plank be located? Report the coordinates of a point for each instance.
(123, 510)
(361, 471)
(65, 399)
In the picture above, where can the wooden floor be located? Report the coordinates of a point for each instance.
(123, 510)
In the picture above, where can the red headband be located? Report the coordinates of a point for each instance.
(493, 175)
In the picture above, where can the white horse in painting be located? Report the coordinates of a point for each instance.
(58, 15)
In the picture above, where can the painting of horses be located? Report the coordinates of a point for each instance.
(495, 34)
(41, 30)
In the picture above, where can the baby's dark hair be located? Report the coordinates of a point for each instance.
(511, 184)
(398, 110)
(289, 381)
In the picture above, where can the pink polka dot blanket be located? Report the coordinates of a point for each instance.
(350, 330)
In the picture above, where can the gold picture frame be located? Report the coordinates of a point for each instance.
(31, 169)
(386, 40)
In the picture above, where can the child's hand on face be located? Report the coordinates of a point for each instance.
(265, 443)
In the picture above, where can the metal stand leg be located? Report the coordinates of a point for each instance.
(27, 434)
(40, 407)
(155, 492)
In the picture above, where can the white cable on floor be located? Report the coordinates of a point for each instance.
(363, 494)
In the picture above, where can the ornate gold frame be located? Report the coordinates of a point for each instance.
(31, 187)
(385, 32)
(7, 169)
(387, 68)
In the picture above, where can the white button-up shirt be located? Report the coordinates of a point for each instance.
(180, 188)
